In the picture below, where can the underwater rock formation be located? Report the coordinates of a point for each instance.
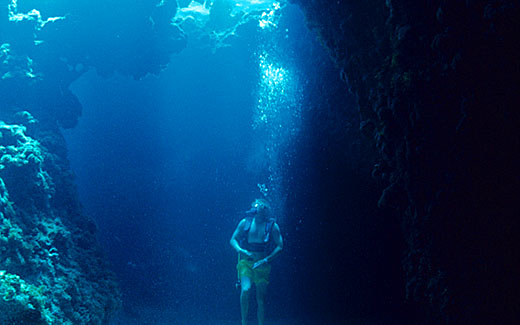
(51, 267)
(437, 85)
(45, 46)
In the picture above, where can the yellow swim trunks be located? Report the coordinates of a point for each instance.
(258, 275)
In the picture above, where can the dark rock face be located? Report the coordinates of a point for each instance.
(437, 89)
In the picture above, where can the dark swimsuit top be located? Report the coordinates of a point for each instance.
(262, 247)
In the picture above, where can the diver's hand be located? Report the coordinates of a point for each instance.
(260, 263)
(246, 253)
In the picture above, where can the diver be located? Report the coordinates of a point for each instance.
(257, 240)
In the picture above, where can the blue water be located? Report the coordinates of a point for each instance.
(166, 166)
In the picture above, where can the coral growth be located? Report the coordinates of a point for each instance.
(52, 269)
(21, 302)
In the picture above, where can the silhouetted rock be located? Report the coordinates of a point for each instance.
(437, 85)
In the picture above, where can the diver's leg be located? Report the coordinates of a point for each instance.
(261, 289)
(245, 289)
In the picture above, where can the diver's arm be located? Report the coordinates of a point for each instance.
(277, 238)
(236, 235)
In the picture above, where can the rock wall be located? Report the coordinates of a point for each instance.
(51, 267)
(437, 88)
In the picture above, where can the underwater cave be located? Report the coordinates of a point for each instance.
(383, 134)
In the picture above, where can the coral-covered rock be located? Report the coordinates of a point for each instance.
(52, 269)
(22, 303)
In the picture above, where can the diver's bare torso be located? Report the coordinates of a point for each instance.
(256, 235)
(256, 232)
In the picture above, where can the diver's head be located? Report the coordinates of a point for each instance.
(262, 208)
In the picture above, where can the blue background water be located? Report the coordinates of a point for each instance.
(166, 166)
